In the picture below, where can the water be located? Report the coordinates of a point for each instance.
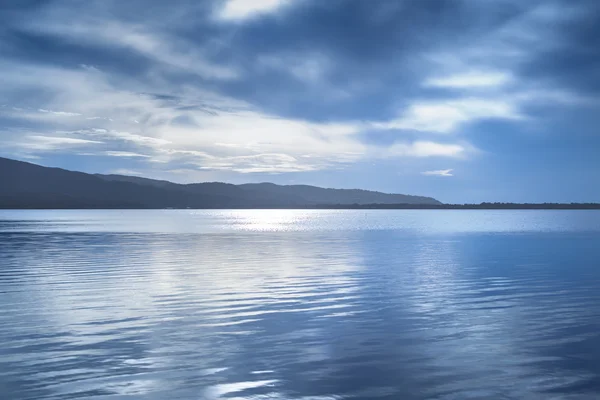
(311, 305)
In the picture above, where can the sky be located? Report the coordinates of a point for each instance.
(462, 100)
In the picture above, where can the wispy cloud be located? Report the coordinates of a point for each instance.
(441, 172)
(126, 154)
(427, 149)
(243, 9)
(483, 76)
(63, 113)
(471, 80)
(263, 163)
(125, 171)
(112, 134)
(447, 116)
(158, 46)
(220, 133)
(49, 143)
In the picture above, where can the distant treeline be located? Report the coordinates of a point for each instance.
(481, 206)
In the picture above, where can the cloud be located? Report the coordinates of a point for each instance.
(485, 75)
(295, 93)
(123, 136)
(63, 113)
(51, 143)
(159, 46)
(441, 172)
(260, 163)
(470, 80)
(305, 67)
(125, 171)
(96, 118)
(126, 154)
(447, 116)
(219, 134)
(427, 149)
(243, 9)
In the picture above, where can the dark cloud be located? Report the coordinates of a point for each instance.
(50, 50)
(370, 46)
(370, 32)
(375, 46)
(573, 56)
(373, 50)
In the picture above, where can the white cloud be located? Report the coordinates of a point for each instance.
(63, 113)
(471, 80)
(446, 116)
(265, 163)
(220, 134)
(441, 172)
(124, 171)
(49, 143)
(126, 154)
(483, 74)
(129, 137)
(114, 135)
(233, 136)
(96, 118)
(249, 141)
(60, 140)
(427, 149)
(244, 9)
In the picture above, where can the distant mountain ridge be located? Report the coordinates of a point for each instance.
(27, 185)
(301, 194)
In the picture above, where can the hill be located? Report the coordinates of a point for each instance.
(26, 185)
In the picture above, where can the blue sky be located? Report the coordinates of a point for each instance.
(462, 100)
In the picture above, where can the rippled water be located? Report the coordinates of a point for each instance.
(300, 304)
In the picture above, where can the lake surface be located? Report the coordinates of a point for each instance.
(311, 305)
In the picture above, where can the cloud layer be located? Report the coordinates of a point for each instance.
(282, 86)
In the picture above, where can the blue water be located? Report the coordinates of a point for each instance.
(311, 305)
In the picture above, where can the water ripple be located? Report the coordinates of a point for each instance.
(252, 311)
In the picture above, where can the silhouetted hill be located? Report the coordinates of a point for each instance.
(270, 193)
(317, 195)
(26, 185)
(137, 179)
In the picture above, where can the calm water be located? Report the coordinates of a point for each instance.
(311, 305)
